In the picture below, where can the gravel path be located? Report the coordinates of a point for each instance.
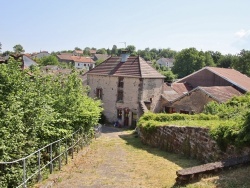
(116, 159)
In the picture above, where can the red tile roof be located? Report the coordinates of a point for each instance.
(220, 93)
(80, 59)
(231, 75)
(181, 87)
(135, 66)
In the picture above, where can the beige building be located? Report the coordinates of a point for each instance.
(127, 86)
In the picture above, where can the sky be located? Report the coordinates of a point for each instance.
(55, 25)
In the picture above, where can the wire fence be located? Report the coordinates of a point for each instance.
(46, 159)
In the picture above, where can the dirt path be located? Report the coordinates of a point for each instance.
(118, 159)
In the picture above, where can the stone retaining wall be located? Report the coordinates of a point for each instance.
(194, 142)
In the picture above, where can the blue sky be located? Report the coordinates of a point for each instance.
(54, 25)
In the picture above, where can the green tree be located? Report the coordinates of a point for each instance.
(167, 53)
(0, 47)
(101, 51)
(188, 61)
(227, 61)
(18, 49)
(130, 49)
(48, 60)
(77, 48)
(243, 63)
(208, 59)
(114, 50)
(216, 56)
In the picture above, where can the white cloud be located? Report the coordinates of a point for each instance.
(242, 33)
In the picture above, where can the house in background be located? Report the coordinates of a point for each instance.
(78, 52)
(127, 86)
(190, 94)
(166, 62)
(81, 62)
(65, 57)
(92, 52)
(40, 54)
(102, 57)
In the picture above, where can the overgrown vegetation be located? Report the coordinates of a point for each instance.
(229, 123)
(36, 109)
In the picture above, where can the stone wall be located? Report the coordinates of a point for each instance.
(194, 142)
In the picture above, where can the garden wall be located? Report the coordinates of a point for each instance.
(194, 142)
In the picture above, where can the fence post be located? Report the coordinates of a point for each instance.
(39, 178)
(59, 154)
(72, 147)
(51, 163)
(66, 153)
(24, 173)
(77, 142)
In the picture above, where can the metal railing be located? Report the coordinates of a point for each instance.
(50, 155)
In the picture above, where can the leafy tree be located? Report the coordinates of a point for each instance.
(208, 59)
(114, 50)
(0, 47)
(216, 56)
(243, 63)
(227, 61)
(37, 110)
(130, 49)
(99, 61)
(48, 60)
(77, 48)
(167, 53)
(188, 61)
(101, 51)
(18, 49)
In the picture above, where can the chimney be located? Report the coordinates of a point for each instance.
(124, 56)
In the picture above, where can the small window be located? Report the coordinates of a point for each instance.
(78, 64)
(120, 82)
(99, 93)
(120, 96)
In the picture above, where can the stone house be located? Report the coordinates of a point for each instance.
(40, 54)
(191, 93)
(166, 62)
(79, 62)
(127, 87)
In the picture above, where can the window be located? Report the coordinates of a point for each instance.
(78, 64)
(184, 112)
(119, 113)
(99, 93)
(120, 82)
(120, 95)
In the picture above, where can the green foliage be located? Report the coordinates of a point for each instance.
(243, 63)
(188, 61)
(48, 60)
(37, 110)
(18, 49)
(236, 114)
(150, 120)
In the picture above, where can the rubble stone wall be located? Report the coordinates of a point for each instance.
(194, 142)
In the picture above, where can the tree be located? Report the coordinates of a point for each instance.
(216, 56)
(208, 59)
(227, 61)
(243, 63)
(188, 61)
(48, 60)
(0, 47)
(114, 50)
(18, 49)
(77, 48)
(101, 51)
(130, 49)
(167, 53)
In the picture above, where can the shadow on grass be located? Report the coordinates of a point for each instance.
(180, 160)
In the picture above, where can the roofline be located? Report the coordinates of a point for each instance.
(197, 88)
(125, 76)
(208, 68)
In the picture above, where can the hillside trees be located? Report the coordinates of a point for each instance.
(243, 63)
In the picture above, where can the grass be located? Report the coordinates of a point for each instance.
(125, 162)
